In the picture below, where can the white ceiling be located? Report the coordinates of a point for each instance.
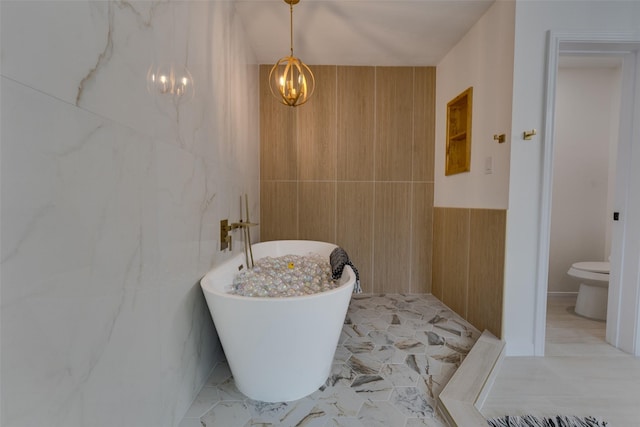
(359, 32)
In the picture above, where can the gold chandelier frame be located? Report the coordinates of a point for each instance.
(290, 80)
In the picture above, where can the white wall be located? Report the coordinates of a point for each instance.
(533, 21)
(111, 201)
(587, 104)
(482, 59)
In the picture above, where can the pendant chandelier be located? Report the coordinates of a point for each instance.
(170, 80)
(290, 80)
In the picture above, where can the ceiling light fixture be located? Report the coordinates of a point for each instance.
(290, 80)
(173, 80)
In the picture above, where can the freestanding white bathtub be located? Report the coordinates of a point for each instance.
(278, 349)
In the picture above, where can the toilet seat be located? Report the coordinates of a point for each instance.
(590, 270)
(594, 266)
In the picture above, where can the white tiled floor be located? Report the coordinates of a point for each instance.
(580, 375)
(395, 355)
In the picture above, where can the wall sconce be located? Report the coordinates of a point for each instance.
(290, 80)
(171, 80)
(500, 138)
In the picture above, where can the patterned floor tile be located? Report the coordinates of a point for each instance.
(339, 401)
(384, 353)
(412, 402)
(395, 354)
(381, 414)
(364, 364)
(340, 375)
(233, 413)
(372, 387)
(345, 422)
(207, 397)
(400, 375)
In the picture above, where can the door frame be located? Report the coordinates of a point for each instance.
(627, 45)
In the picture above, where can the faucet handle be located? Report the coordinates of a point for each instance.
(241, 224)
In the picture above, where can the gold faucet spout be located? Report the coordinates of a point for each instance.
(235, 225)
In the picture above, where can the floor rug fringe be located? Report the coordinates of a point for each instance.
(556, 421)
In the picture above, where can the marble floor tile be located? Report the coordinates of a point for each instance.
(412, 402)
(385, 353)
(363, 364)
(381, 414)
(207, 397)
(395, 354)
(372, 387)
(400, 374)
(232, 413)
(339, 401)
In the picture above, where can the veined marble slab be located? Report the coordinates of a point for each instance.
(111, 202)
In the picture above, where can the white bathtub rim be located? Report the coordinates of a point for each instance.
(350, 282)
(220, 289)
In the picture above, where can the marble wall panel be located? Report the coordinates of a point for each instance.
(110, 206)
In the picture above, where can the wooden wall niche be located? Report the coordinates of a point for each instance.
(458, 153)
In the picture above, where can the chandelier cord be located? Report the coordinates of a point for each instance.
(291, 26)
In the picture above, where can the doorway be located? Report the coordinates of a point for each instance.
(623, 324)
(584, 157)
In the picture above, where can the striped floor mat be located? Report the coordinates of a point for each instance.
(557, 421)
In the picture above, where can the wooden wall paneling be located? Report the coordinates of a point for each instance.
(317, 128)
(317, 211)
(437, 274)
(394, 123)
(424, 124)
(278, 151)
(354, 227)
(319, 179)
(455, 253)
(486, 269)
(392, 224)
(421, 238)
(355, 122)
(278, 210)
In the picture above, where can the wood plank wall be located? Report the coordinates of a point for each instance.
(468, 264)
(354, 166)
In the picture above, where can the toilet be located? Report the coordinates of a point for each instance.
(594, 287)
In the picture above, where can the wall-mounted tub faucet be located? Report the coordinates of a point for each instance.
(225, 236)
(225, 228)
